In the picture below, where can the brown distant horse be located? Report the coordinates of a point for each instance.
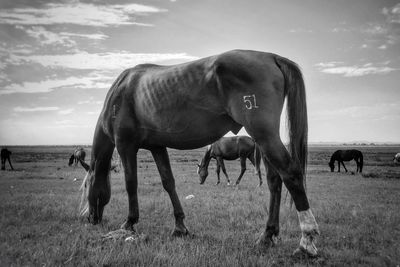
(5, 155)
(79, 154)
(230, 148)
(346, 155)
(193, 104)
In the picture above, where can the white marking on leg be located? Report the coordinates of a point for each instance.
(307, 221)
(309, 228)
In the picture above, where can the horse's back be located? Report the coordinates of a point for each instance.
(234, 147)
(148, 100)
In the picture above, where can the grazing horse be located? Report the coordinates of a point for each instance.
(190, 105)
(230, 148)
(5, 155)
(346, 155)
(78, 155)
(396, 158)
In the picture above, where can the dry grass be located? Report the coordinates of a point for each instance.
(358, 215)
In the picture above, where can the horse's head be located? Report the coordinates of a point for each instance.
(71, 160)
(95, 195)
(202, 172)
(332, 166)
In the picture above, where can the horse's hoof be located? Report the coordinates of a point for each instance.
(264, 242)
(311, 252)
(180, 232)
(128, 226)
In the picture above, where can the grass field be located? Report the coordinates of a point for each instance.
(358, 215)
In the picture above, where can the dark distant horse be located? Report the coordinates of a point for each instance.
(5, 155)
(231, 148)
(396, 158)
(79, 154)
(193, 104)
(346, 155)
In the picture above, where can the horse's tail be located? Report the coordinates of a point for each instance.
(361, 161)
(71, 160)
(296, 111)
(257, 158)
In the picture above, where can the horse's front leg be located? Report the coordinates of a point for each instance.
(9, 161)
(161, 158)
(129, 161)
(218, 173)
(242, 169)
(269, 237)
(338, 166)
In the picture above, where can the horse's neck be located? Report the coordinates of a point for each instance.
(207, 156)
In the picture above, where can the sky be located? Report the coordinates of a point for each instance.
(59, 58)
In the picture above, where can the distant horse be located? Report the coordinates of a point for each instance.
(193, 104)
(231, 148)
(396, 158)
(5, 155)
(79, 154)
(346, 155)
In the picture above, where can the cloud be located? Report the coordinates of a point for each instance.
(381, 111)
(64, 122)
(90, 101)
(392, 14)
(35, 109)
(91, 81)
(108, 61)
(78, 13)
(94, 36)
(45, 37)
(355, 70)
(66, 111)
(328, 64)
(103, 66)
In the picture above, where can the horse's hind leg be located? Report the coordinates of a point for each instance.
(253, 158)
(218, 173)
(268, 238)
(292, 176)
(3, 164)
(161, 158)
(344, 166)
(242, 169)
(221, 163)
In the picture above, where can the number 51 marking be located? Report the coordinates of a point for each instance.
(250, 101)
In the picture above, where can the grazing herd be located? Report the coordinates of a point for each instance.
(194, 104)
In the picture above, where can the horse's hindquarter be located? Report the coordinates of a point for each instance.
(179, 106)
(253, 86)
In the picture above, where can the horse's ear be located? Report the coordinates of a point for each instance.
(84, 165)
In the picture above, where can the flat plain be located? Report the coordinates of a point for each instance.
(358, 215)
